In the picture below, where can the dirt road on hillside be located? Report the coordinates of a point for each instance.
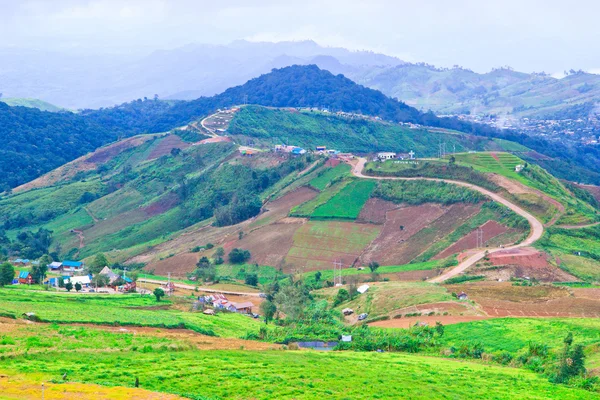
(537, 228)
(200, 288)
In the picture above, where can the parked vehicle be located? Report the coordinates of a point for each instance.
(363, 316)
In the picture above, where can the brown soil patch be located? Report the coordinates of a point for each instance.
(109, 152)
(161, 206)
(227, 236)
(280, 208)
(269, 244)
(430, 320)
(167, 144)
(398, 247)
(453, 308)
(217, 139)
(178, 265)
(495, 156)
(375, 210)
(333, 162)
(412, 275)
(501, 299)
(594, 190)
(490, 229)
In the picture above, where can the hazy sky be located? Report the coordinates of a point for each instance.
(529, 35)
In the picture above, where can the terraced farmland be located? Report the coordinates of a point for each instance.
(318, 243)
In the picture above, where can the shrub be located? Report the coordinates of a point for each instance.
(239, 256)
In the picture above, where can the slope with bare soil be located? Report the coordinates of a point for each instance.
(489, 230)
(392, 246)
(501, 299)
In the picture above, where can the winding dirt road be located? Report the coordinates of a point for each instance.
(536, 232)
(200, 288)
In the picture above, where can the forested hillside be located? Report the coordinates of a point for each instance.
(38, 142)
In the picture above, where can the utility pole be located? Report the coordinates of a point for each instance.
(479, 237)
(337, 273)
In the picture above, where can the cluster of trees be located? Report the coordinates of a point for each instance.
(206, 268)
(27, 244)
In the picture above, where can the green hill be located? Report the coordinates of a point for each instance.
(31, 103)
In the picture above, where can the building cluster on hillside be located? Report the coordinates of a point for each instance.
(220, 302)
(388, 155)
(71, 272)
(585, 131)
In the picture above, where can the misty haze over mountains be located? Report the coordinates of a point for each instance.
(77, 81)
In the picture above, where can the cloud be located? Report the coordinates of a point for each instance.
(529, 35)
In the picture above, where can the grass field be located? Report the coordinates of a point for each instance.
(384, 297)
(308, 208)
(498, 163)
(292, 375)
(329, 175)
(514, 334)
(123, 310)
(347, 203)
(584, 268)
(327, 274)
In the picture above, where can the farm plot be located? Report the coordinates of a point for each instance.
(347, 203)
(316, 244)
(489, 230)
(502, 299)
(582, 267)
(164, 146)
(410, 231)
(522, 263)
(375, 210)
(329, 175)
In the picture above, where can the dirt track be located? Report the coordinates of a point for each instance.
(537, 228)
(200, 288)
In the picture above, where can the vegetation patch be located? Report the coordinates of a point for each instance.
(348, 202)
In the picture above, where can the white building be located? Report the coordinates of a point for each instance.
(386, 156)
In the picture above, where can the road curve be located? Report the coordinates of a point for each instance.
(200, 288)
(536, 232)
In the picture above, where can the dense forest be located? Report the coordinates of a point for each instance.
(37, 142)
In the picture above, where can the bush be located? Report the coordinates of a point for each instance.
(239, 256)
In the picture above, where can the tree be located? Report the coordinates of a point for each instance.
(7, 274)
(342, 296)
(100, 280)
(219, 253)
(69, 286)
(268, 309)
(39, 271)
(61, 282)
(318, 276)
(158, 293)
(99, 262)
(373, 266)
(291, 299)
(204, 262)
(239, 256)
(452, 160)
(77, 286)
(251, 279)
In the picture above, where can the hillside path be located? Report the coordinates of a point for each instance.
(200, 288)
(537, 228)
(577, 226)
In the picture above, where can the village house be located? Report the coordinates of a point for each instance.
(21, 262)
(71, 267)
(462, 296)
(25, 278)
(55, 266)
(84, 280)
(241, 308)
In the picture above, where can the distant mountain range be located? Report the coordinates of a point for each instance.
(93, 81)
(186, 73)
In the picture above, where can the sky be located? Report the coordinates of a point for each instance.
(528, 35)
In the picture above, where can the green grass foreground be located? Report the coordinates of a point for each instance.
(295, 374)
(134, 310)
